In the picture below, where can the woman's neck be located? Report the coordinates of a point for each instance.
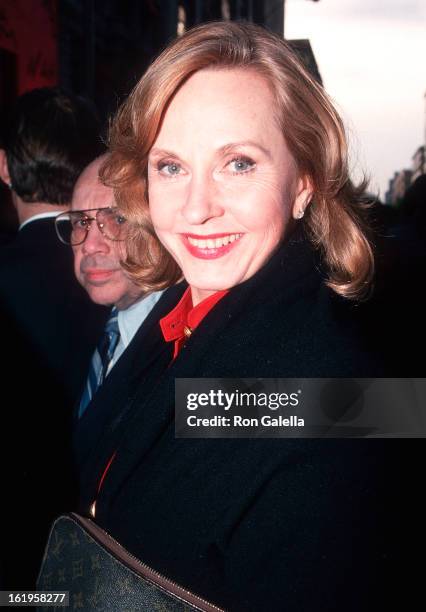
(198, 295)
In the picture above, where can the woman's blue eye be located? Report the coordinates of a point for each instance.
(241, 165)
(170, 169)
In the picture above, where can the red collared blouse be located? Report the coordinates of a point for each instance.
(179, 324)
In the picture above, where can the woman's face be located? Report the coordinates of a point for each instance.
(222, 183)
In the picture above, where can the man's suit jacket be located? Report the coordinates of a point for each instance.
(49, 331)
(106, 408)
(39, 291)
(294, 524)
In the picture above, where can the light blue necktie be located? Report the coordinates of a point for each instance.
(101, 359)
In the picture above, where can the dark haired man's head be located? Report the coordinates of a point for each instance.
(47, 140)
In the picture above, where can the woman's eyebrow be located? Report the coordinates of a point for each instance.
(156, 152)
(229, 147)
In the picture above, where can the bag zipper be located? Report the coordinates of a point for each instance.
(142, 569)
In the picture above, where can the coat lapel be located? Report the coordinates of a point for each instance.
(101, 428)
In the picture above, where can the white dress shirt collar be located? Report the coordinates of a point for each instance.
(45, 215)
(130, 319)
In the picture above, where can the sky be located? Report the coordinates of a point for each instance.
(372, 58)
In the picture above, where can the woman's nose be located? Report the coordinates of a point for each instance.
(202, 201)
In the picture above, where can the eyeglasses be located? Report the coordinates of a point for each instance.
(73, 226)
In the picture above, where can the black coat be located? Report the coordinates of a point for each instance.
(38, 289)
(255, 524)
(49, 331)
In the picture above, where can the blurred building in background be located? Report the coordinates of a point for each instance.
(398, 185)
(100, 49)
(419, 163)
(304, 50)
(402, 179)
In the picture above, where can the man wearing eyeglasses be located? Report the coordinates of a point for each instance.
(97, 231)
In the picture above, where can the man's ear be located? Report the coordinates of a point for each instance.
(303, 196)
(4, 168)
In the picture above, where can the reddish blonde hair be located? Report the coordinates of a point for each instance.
(312, 128)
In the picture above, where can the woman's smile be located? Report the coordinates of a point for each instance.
(211, 246)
